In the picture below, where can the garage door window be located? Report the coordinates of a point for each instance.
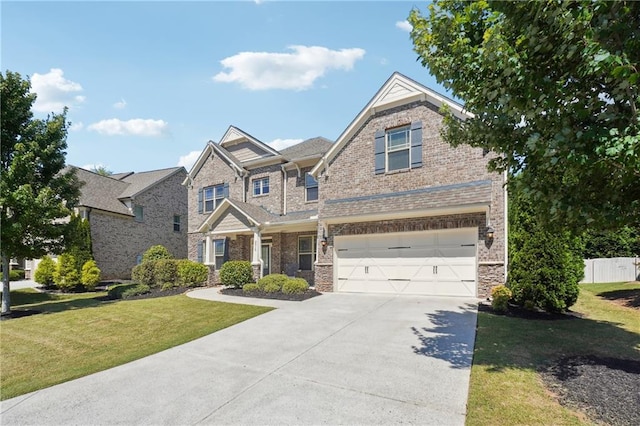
(306, 252)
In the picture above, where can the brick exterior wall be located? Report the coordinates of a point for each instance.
(272, 201)
(352, 173)
(296, 192)
(118, 240)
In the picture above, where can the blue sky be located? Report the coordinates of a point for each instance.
(149, 83)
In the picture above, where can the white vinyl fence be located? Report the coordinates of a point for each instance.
(616, 269)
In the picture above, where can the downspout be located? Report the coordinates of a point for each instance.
(284, 190)
(506, 229)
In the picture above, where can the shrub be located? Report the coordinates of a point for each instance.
(236, 273)
(165, 271)
(271, 287)
(16, 275)
(295, 286)
(125, 291)
(66, 275)
(273, 280)
(44, 271)
(251, 287)
(168, 286)
(500, 296)
(192, 274)
(144, 273)
(156, 253)
(90, 275)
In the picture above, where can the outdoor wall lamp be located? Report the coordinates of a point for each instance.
(323, 241)
(489, 232)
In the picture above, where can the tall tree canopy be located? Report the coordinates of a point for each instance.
(35, 189)
(553, 86)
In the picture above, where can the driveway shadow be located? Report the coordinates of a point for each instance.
(451, 338)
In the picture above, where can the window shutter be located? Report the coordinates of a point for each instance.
(226, 250)
(379, 152)
(416, 144)
(200, 251)
(200, 201)
(225, 190)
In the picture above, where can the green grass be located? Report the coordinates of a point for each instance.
(82, 334)
(505, 387)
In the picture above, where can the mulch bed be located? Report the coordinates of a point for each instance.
(279, 296)
(607, 389)
(158, 292)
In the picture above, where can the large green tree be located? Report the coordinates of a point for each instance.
(36, 191)
(554, 90)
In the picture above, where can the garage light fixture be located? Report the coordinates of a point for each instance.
(489, 232)
(323, 241)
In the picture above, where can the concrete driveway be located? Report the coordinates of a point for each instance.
(333, 359)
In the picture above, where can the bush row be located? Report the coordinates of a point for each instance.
(165, 273)
(274, 283)
(125, 291)
(65, 275)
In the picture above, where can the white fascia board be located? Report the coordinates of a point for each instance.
(408, 214)
(199, 163)
(232, 130)
(223, 207)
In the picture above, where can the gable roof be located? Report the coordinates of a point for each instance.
(213, 148)
(106, 193)
(234, 134)
(314, 147)
(397, 90)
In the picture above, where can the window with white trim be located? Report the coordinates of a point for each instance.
(260, 186)
(213, 195)
(398, 148)
(310, 188)
(306, 252)
(218, 253)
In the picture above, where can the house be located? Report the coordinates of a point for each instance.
(388, 207)
(130, 212)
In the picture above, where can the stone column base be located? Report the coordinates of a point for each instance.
(324, 277)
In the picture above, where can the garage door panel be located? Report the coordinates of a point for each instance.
(441, 263)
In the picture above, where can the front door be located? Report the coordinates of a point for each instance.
(266, 259)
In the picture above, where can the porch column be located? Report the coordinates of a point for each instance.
(207, 250)
(256, 257)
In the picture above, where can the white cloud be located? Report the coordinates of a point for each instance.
(120, 104)
(187, 161)
(136, 127)
(279, 144)
(297, 70)
(54, 91)
(404, 26)
(76, 126)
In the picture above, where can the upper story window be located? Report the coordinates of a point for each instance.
(138, 213)
(310, 188)
(176, 222)
(211, 196)
(399, 148)
(260, 186)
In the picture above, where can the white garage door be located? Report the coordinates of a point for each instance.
(441, 263)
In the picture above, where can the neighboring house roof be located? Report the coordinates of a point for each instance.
(314, 147)
(106, 192)
(139, 182)
(397, 90)
(456, 196)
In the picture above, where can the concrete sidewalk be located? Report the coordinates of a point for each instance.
(333, 359)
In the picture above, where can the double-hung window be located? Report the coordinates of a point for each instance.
(398, 148)
(311, 188)
(176, 222)
(218, 253)
(306, 252)
(212, 196)
(260, 186)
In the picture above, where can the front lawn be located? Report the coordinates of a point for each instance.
(76, 335)
(507, 385)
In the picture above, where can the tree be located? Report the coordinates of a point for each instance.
(101, 170)
(36, 191)
(90, 276)
(66, 276)
(78, 240)
(553, 87)
(44, 272)
(623, 242)
(545, 266)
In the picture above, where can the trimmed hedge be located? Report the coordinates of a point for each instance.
(236, 273)
(500, 296)
(144, 273)
(295, 286)
(90, 275)
(192, 274)
(66, 275)
(156, 253)
(273, 281)
(44, 272)
(165, 271)
(125, 291)
(251, 287)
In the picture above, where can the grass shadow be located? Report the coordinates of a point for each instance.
(629, 298)
(450, 338)
(27, 303)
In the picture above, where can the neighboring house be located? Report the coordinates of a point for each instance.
(130, 212)
(389, 207)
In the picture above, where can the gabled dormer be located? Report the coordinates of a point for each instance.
(248, 150)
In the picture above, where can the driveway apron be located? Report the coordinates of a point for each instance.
(333, 359)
